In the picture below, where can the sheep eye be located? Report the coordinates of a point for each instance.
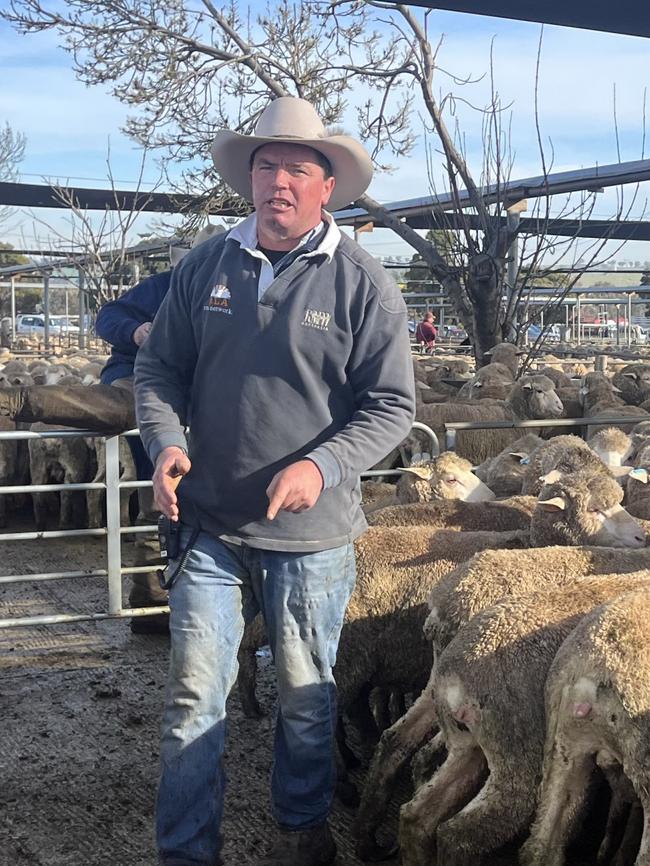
(451, 480)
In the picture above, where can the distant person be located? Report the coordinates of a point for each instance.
(426, 333)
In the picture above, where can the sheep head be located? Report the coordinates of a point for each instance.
(534, 397)
(584, 508)
(447, 477)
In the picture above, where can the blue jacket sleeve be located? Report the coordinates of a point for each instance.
(117, 320)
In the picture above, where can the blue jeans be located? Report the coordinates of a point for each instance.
(303, 599)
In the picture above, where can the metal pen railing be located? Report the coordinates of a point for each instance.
(452, 427)
(113, 531)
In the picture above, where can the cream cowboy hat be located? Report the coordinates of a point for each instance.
(294, 121)
(176, 254)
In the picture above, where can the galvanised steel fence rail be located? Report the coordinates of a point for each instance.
(113, 531)
(452, 427)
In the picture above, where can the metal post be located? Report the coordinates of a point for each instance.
(13, 309)
(113, 545)
(629, 319)
(46, 311)
(578, 317)
(82, 310)
(617, 308)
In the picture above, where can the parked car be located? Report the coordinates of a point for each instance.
(33, 325)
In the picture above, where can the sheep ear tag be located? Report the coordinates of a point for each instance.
(639, 474)
(556, 503)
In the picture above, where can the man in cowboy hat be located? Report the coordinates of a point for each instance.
(285, 349)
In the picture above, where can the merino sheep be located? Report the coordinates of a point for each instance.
(596, 389)
(507, 354)
(375, 491)
(504, 474)
(490, 382)
(480, 582)
(559, 379)
(613, 446)
(446, 477)
(497, 662)
(500, 516)
(560, 455)
(597, 712)
(531, 398)
(637, 492)
(633, 382)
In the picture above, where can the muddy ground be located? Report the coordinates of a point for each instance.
(80, 706)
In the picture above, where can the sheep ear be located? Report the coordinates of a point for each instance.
(520, 352)
(477, 384)
(528, 386)
(616, 390)
(630, 375)
(556, 503)
(488, 352)
(550, 477)
(639, 474)
(423, 472)
(522, 457)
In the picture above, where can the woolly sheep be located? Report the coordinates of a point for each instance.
(375, 491)
(559, 379)
(531, 398)
(504, 473)
(596, 390)
(448, 476)
(637, 491)
(597, 712)
(497, 662)
(561, 454)
(613, 446)
(490, 382)
(633, 381)
(500, 516)
(459, 596)
(507, 354)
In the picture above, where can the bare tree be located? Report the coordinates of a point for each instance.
(187, 69)
(102, 241)
(12, 151)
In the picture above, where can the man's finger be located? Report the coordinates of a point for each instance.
(278, 493)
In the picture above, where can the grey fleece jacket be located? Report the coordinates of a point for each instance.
(319, 367)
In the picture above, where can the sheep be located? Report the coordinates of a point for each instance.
(633, 381)
(451, 369)
(596, 389)
(382, 643)
(448, 476)
(559, 379)
(637, 492)
(561, 454)
(507, 354)
(504, 473)
(613, 446)
(490, 382)
(532, 397)
(597, 712)
(471, 587)
(61, 461)
(375, 491)
(497, 662)
(640, 436)
(500, 516)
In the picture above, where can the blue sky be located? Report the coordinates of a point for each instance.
(68, 126)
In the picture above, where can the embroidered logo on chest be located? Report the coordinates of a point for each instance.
(219, 300)
(316, 319)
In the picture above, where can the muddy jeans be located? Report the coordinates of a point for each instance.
(303, 599)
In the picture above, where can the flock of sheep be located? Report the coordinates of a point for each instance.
(57, 461)
(503, 595)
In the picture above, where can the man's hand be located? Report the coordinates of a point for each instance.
(141, 333)
(295, 488)
(172, 464)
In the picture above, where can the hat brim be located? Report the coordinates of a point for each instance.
(351, 165)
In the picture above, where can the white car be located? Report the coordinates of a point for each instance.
(33, 325)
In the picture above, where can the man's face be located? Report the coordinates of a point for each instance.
(289, 191)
